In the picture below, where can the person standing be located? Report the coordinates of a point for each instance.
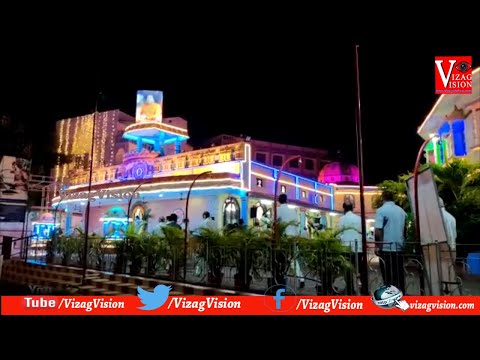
(173, 221)
(390, 233)
(450, 224)
(289, 215)
(161, 224)
(350, 225)
(208, 222)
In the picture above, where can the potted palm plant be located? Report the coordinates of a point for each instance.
(283, 253)
(324, 256)
(249, 252)
(211, 246)
(134, 248)
(155, 250)
(172, 249)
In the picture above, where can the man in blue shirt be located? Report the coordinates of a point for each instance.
(390, 232)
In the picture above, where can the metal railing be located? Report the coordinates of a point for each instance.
(15, 248)
(429, 270)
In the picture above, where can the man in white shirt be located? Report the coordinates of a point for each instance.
(208, 222)
(289, 214)
(350, 226)
(450, 227)
(390, 232)
(161, 224)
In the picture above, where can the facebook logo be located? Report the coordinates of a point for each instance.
(278, 298)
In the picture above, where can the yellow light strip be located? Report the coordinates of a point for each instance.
(136, 127)
(353, 186)
(291, 184)
(159, 183)
(57, 198)
(356, 193)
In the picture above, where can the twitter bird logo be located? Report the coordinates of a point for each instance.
(153, 300)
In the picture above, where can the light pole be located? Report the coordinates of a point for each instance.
(185, 240)
(358, 128)
(415, 184)
(87, 210)
(275, 192)
(55, 216)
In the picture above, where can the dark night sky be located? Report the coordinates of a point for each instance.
(287, 85)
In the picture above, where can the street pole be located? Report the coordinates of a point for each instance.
(358, 123)
(55, 215)
(87, 210)
(185, 240)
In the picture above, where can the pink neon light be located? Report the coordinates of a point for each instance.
(338, 173)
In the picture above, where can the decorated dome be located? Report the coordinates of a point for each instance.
(338, 173)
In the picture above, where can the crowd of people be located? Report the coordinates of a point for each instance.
(389, 237)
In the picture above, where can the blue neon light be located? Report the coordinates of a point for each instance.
(444, 129)
(297, 189)
(458, 129)
(136, 138)
(43, 231)
(275, 171)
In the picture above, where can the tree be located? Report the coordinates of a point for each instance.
(458, 183)
(455, 178)
(459, 186)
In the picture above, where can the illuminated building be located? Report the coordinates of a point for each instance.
(455, 118)
(344, 180)
(160, 167)
(74, 139)
(274, 154)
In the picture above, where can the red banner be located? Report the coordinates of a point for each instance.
(238, 305)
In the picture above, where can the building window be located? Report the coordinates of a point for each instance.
(283, 189)
(294, 163)
(261, 157)
(304, 194)
(259, 182)
(318, 199)
(309, 164)
(277, 160)
(231, 212)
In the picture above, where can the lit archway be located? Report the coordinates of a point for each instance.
(231, 212)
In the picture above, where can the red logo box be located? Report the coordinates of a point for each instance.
(453, 75)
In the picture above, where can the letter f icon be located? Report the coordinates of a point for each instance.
(278, 298)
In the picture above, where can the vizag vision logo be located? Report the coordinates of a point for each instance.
(453, 75)
(389, 297)
(94, 195)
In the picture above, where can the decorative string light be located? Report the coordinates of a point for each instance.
(75, 139)
(59, 151)
(66, 149)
